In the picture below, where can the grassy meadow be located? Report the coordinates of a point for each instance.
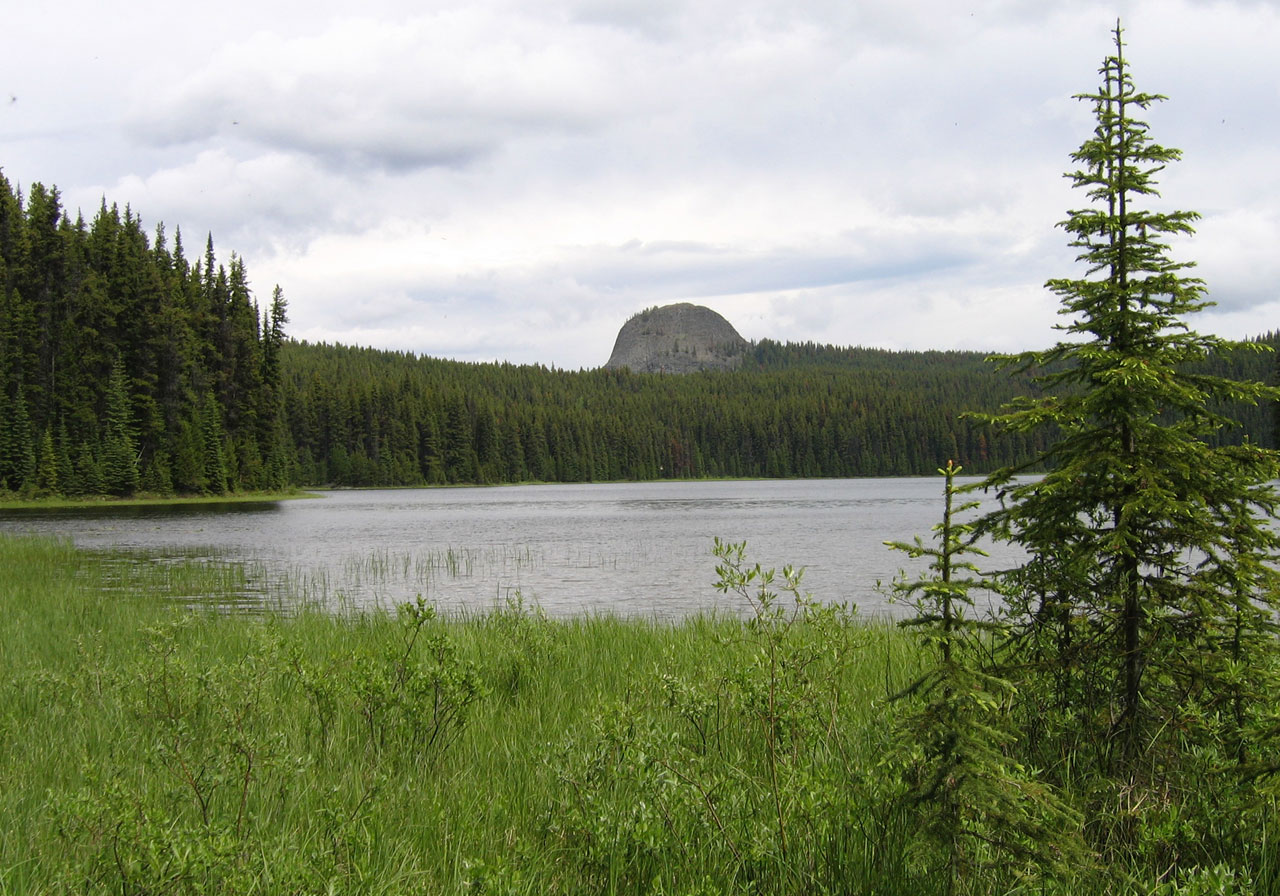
(150, 747)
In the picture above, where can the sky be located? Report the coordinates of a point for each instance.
(511, 181)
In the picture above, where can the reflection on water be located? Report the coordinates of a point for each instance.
(627, 548)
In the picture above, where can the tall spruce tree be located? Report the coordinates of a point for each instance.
(1148, 598)
(17, 444)
(120, 443)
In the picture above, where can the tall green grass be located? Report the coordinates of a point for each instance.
(150, 743)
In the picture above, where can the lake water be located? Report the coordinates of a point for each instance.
(624, 548)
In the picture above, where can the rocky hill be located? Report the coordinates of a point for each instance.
(680, 338)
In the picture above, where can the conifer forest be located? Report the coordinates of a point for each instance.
(127, 367)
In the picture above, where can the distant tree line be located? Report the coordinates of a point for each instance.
(124, 366)
(363, 417)
(366, 417)
(127, 367)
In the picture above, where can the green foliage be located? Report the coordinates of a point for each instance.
(735, 772)
(17, 458)
(47, 467)
(978, 806)
(621, 756)
(212, 471)
(526, 646)
(150, 750)
(364, 417)
(204, 807)
(88, 473)
(77, 297)
(1125, 689)
(115, 339)
(1143, 622)
(419, 694)
(1220, 880)
(119, 463)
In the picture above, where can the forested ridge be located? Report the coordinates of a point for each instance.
(365, 417)
(368, 417)
(127, 367)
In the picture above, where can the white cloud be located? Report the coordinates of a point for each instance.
(510, 180)
(440, 89)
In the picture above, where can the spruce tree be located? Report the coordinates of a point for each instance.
(67, 483)
(119, 446)
(8, 444)
(88, 472)
(1146, 605)
(214, 456)
(973, 803)
(17, 445)
(47, 466)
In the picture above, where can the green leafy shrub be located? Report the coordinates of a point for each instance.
(735, 770)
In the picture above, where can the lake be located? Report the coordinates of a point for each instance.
(625, 548)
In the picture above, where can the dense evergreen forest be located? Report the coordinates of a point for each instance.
(127, 367)
(363, 417)
(366, 417)
(124, 366)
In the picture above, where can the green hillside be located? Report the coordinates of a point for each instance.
(368, 417)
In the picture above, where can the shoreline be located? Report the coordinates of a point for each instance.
(153, 500)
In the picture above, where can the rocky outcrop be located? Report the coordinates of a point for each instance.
(680, 338)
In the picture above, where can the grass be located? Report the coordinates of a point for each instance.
(149, 746)
(145, 500)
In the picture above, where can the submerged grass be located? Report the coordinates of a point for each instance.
(149, 745)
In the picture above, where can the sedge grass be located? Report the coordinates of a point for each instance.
(149, 743)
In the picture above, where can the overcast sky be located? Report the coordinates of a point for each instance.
(503, 180)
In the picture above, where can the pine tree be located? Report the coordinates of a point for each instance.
(67, 482)
(47, 466)
(8, 445)
(1150, 581)
(21, 445)
(459, 451)
(157, 477)
(214, 476)
(188, 466)
(273, 339)
(119, 445)
(274, 433)
(88, 472)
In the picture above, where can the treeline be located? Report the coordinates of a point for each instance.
(1256, 423)
(124, 366)
(363, 417)
(367, 417)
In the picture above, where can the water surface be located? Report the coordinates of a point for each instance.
(626, 548)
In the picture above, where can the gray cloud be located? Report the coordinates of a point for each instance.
(507, 180)
(696, 271)
(438, 90)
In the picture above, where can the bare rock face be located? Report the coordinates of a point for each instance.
(680, 338)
